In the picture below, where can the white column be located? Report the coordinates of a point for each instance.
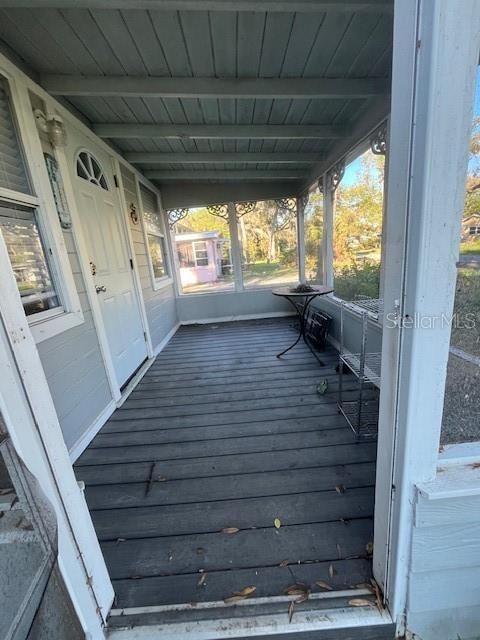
(328, 212)
(436, 47)
(235, 246)
(301, 238)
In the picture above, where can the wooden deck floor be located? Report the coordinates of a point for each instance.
(221, 434)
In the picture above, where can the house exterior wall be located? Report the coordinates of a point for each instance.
(444, 595)
(74, 367)
(160, 305)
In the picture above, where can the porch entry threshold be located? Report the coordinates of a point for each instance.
(226, 472)
(325, 616)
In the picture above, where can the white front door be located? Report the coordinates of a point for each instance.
(111, 268)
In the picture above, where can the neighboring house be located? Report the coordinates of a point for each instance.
(471, 227)
(202, 257)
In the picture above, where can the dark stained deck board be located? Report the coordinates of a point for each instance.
(303, 508)
(221, 433)
(220, 584)
(188, 490)
(268, 547)
(315, 457)
(221, 447)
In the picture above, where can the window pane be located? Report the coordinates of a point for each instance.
(27, 255)
(357, 228)
(313, 225)
(461, 410)
(268, 237)
(202, 240)
(157, 254)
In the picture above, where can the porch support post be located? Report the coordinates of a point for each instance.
(435, 57)
(301, 203)
(328, 211)
(235, 246)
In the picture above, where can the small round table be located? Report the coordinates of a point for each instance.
(301, 302)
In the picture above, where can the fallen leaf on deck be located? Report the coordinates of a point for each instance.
(339, 551)
(340, 488)
(474, 465)
(136, 577)
(360, 602)
(291, 610)
(331, 571)
(200, 551)
(160, 479)
(284, 563)
(297, 589)
(240, 595)
(378, 595)
(230, 530)
(369, 548)
(5, 492)
(323, 585)
(277, 523)
(244, 593)
(202, 579)
(121, 539)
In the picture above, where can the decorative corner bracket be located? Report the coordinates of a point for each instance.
(378, 142)
(175, 215)
(335, 175)
(219, 210)
(242, 208)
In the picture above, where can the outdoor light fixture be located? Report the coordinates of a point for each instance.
(53, 126)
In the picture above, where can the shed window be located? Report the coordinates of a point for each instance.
(155, 235)
(474, 231)
(201, 254)
(28, 257)
(89, 169)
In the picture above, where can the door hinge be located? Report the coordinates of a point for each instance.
(115, 179)
(131, 264)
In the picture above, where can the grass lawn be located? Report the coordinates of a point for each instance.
(264, 273)
(470, 247)
(467, 310)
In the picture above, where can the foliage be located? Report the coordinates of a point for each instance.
(268, 234)
(199, 220)
(314, 237)
(357, 280)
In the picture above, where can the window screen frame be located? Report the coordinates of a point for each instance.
(159, 231)
(46, 324)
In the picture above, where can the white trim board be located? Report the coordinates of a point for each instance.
(254, 626)
(85, 439)
(459, 453)
(252, 316)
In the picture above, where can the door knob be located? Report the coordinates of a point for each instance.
(101, 289)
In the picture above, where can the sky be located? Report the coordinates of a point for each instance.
(352, 169)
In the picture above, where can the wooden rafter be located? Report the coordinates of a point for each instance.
(160, 87)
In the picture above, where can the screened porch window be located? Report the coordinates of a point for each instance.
(357, 228)
(27, 254)
(268, 238)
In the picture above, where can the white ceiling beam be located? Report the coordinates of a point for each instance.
(160, 87)
(194, 176)
(211, 158)
(221, 131)
(301, 6)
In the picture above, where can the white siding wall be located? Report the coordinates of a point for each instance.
(444, 594)
(74, 367)
(160, 305)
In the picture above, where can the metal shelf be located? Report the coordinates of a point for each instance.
(371, 363)
(373, 306)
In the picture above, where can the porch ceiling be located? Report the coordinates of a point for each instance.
(255, 94)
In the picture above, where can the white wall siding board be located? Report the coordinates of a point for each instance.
(444, 580)
(76, 354)
(160, 305)
(230, 305)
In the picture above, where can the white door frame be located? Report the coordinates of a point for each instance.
(436, 48)
(83, 255)
(31, 419)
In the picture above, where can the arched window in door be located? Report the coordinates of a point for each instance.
(90, 170)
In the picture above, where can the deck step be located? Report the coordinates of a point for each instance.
(324, 616)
